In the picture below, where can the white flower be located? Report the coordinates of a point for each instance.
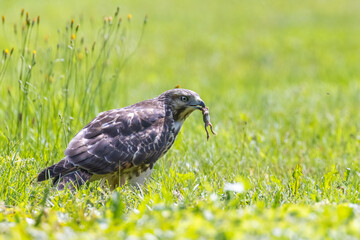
(234, 187)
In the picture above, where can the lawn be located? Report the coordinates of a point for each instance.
(281, 79)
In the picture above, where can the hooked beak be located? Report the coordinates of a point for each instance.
(198, 104)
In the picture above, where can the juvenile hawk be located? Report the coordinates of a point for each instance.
(124, 144)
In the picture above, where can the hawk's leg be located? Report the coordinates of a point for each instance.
(141, 178)
(135, 176)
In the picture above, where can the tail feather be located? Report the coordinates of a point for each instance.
(59, 169)
(65, 174)
(72, 180)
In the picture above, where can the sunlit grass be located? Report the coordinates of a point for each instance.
(282, 84)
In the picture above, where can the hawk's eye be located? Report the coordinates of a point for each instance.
(184, 98)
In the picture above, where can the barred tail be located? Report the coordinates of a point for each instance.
(65, 174)
(59, 169)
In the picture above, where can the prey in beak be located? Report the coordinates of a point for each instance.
(206, 119)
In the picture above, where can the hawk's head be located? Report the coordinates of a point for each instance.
(182, 102)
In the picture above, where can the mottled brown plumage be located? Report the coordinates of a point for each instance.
(124, 144)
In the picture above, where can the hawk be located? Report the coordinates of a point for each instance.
(123, 144)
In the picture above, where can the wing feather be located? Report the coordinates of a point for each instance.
(118, 139)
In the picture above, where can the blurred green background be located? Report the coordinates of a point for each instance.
(281, 79)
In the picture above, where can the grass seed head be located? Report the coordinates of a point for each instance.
(129, 17)
(33, 59)
(146, 19)
(3, 19)
(22, 12)
(117, 11)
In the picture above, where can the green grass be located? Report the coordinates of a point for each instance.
(282, 82)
